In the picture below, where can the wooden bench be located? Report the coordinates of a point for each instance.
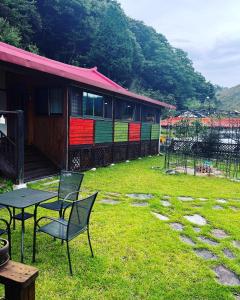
(19, 281)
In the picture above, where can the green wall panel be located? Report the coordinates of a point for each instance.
(103, 132)
(155, 132)
(120, 132)
(146, 131)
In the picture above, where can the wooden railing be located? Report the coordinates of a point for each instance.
(12, 146)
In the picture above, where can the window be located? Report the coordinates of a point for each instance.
(97, 105)
(41, 102)
(49, 101)
(75, 100)
(126, 110)
(56, 101)
(107, 108)
(148, 114)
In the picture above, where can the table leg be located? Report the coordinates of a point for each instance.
(22, 239)
(14, 221)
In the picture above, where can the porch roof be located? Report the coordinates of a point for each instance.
(86, 76)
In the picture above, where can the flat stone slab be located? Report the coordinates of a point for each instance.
(234, 208)
(166, 197)
(202, 199)
(226, 276)
(208, 241)
(237, 297)
(109, 201)
(196, 219)
(140, 196)
(160, 217)
(221, 201)
(217, 207)
(187, 240)
(205, 253)
(165, 203)
(177, 226)
(183, 198)
(113, 194)
(236, 244)
(140, 204)
(196, 229)
(219, 233)
(228, 253)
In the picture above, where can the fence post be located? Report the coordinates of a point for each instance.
(19, 154)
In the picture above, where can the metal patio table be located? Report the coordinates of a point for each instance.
(21, 199)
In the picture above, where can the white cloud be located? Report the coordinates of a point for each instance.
(209, 30)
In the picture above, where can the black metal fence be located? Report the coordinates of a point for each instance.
(195, 148)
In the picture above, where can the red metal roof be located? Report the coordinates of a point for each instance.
(209, 122)
(90, 77)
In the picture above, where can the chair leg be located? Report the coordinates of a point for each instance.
(69, 259)
(34, 244)
(10, 241)
(89, 241)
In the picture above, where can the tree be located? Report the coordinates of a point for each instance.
(9, 34)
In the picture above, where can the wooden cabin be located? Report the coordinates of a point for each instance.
(55, 116)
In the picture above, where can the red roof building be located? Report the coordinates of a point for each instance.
(74, 118)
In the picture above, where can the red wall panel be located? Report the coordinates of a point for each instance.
(134, 132)
(81, 132)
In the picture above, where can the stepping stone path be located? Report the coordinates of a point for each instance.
(165, 203)
(217, 207)
(187, 240)
(140, 204)
(196, 219)
(228, 253)
(203, 199)
(140, 196)
(196, 229)
(219, 233)
(166, 197)
(205, 253)
(234, 208)
(113, 194)
(177, 226)
(185, 199)
(208, 241)
(226, 276)
(160, 217)
(236, 244)
(109, 201)
(221, 201)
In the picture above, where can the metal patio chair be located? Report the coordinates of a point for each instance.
(7, 228)
(67, 229)
(68, 188)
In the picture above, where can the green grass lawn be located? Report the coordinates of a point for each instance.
(138, 256)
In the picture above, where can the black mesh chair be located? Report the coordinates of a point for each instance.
(67, 229)
(69, 188)
(5, 227)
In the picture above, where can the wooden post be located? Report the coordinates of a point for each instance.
(19, 281)
(19, 154)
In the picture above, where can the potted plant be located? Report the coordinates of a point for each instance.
(4, 252)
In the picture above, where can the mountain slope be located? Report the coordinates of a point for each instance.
(229, 98)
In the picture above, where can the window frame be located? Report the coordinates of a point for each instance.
(48, 102)
(104, 98)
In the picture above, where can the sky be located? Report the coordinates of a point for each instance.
(208, 30)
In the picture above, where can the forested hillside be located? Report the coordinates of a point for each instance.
(229, 98)
(91, 33)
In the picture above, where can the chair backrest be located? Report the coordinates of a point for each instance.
(69, 182)
(80, 215)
